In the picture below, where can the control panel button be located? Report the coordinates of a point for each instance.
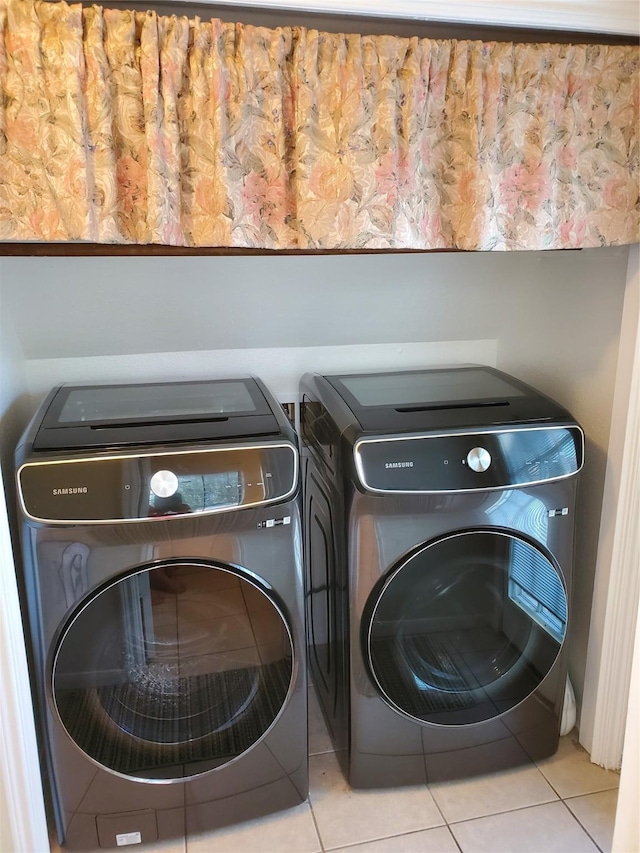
(164, 484)
(478, 459)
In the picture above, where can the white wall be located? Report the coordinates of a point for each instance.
(617, 583)
(562, 337)
(13, 378)
(276, 316)
(74, 307)
(140, 305)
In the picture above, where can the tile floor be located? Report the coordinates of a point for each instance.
(564, 804)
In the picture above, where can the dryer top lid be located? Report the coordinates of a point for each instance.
(81, 416)
(471, 395)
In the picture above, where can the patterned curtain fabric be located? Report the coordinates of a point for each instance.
(123, 127)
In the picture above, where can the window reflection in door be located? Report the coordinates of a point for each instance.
(201, 493)
(535, 586)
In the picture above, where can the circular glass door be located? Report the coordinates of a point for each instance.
(465, 628)
(173, 670)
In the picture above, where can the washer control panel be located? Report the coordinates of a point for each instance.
(460, 462)
(139, 487)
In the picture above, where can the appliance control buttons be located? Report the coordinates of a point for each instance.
(164, 484)
(478, 459)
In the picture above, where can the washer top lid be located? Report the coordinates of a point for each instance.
(80, 416)
(470, 395)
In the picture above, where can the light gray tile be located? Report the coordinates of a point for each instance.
(319, 737)
(290, 831)
(597, 813)
(345, 816)
(438, 840)
(465, 799)
(571, 772)
(550, 828)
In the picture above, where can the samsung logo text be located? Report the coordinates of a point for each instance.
(74, 490)
(398, 464)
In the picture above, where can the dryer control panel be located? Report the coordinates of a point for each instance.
(469, 461)
(140, 487)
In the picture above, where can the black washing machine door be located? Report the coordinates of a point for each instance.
(173, 670)
(465, 627)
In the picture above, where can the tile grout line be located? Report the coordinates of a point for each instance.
(505, 811)
(441, 813)
(526, 808)
(455, 840)
(450, 823)
(437, 805)
(574, 796)
(315, 823)
(313, 814)
(388, 837)
(579, 822)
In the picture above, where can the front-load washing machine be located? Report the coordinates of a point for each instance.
(163, 575)
(439, 529)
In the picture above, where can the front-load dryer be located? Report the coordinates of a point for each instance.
(439, 523)
(163, 575)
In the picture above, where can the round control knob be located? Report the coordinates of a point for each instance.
(164, 484)
(478, 459)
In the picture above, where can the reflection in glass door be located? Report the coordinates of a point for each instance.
(173, 670)
(465, 628)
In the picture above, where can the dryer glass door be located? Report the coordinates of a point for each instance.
(465, 628)
(173, 671)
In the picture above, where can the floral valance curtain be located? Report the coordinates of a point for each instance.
(130, 127)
